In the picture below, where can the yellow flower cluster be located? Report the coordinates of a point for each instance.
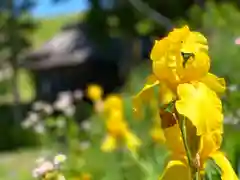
(118, 132)
(189, 105)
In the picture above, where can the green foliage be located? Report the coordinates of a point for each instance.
(213, 172)
(13, 136)
(48, 27)
(221, 29)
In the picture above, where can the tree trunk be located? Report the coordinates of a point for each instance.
(16, 96)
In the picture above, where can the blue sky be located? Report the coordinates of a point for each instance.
(45, 8)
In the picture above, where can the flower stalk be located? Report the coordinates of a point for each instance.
(182, 126)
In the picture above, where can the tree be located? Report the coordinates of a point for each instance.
(16, 28)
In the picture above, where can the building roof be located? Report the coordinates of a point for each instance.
(72, 46)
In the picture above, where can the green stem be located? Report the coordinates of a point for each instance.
(182, 124)
(120, 159)
(140, 164)
(197, 176)
(184, 137)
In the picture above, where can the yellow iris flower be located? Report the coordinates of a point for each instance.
(168, 67)
(118, 132)
(177, 167)
(169, 72)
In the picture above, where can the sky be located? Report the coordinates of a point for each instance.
(45, 8)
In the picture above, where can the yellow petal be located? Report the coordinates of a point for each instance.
(145, 95)
(132, 141)
(201, 106)
(109, 144)
(173, 140)
(116, 125)
(195, 42)
(176, 170)
(209, 143)
(216, 84)
(147, 91)
(166, 95)
(165, 68)
(159, 49)
(157, 134)
(227, 170)
(94, 92)
(113, 101)
(179, 34)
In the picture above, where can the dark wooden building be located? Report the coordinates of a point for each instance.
(71, 60)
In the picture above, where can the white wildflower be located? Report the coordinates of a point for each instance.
(70, 110)
(237, 41)
(61, 177)
(59, 159)
(85, 145)
(42, 169)
(78, 94)
(39, 128)
(48, 109)
(38, 106)
(61, 122)
(64, 100)
(233, 88)
(86, 125)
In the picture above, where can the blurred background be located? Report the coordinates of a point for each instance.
(50, 50)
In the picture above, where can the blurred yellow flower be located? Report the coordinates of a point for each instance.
(95, 92)
(201, 106)
(118, 132)
(157, 134)
(112, 102)
(177, 167)
(86, 176)
(83, 176)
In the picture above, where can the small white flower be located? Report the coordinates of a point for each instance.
(233, 88)
(38, 106)
(78, 94)
(61, 122)
(59, 159)
(34, 117)
(61, 177)
(70, 110)
(39, 128)
(86, 125)
(48, 109)
(237, 41)
(85, 145)
(64, 100)
(42, 169)
(26, 124)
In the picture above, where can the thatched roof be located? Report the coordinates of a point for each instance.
(73, 45)
(69, 47)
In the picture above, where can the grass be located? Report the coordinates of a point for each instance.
(47, 28)
(18, 165)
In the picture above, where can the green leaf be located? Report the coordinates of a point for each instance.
(212, 171)
(170, 107)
